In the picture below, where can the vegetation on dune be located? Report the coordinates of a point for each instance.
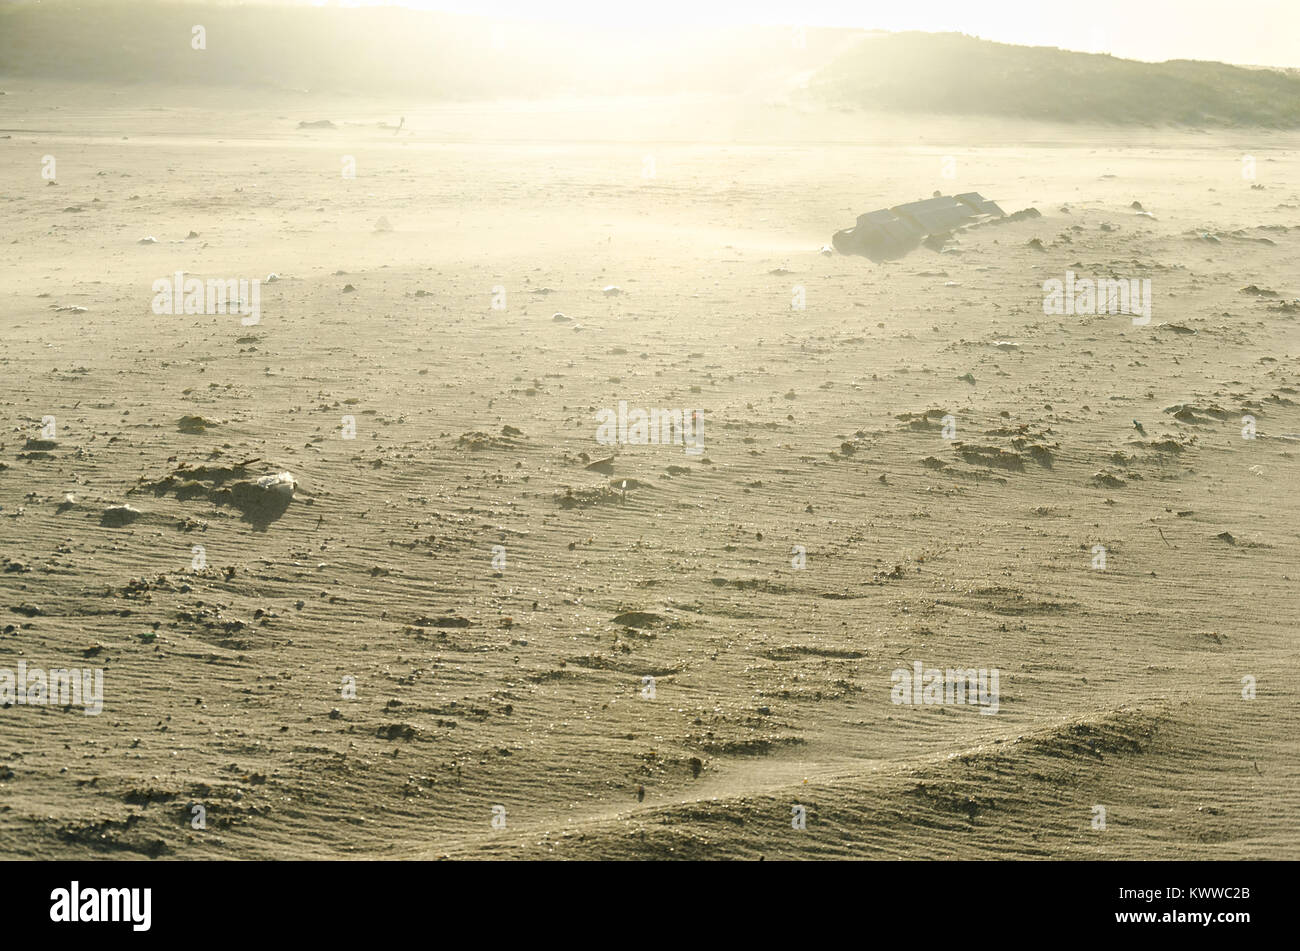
(953, 73)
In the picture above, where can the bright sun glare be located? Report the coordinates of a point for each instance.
(1254, 32)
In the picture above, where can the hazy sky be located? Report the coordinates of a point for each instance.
(1260, 32)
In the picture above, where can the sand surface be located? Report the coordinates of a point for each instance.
(481, 685)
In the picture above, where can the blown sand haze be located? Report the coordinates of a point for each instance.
(365, 580)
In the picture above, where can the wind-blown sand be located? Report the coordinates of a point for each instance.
(479, 685)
